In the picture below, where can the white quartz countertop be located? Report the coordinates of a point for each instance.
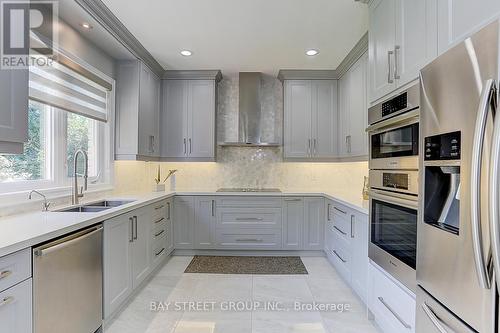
(21, 231)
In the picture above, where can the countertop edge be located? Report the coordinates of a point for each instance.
(94, 218)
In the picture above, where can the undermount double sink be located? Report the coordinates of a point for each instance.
(95, 207)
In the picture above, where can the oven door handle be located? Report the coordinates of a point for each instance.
(403, 119)
(396, 199)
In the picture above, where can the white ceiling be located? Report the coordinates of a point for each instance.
(245, 35)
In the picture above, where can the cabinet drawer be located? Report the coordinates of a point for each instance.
(249, 218)
(255, 239)
(159, 249)
(15, 268)
(16, 308)
(342, 224)
(249, 202)
(340, 257)
(393, 307)
(159, 232)
(159, 210)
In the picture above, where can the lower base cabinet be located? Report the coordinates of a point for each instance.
(16, 308)
(346, 245)
(132, 251)
(392, 305)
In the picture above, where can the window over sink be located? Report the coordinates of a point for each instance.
(69, 109)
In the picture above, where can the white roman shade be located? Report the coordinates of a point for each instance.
(63, 87)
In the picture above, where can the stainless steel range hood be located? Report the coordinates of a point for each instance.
(250, 113)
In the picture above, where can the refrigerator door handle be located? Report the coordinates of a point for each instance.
(494, 205)
(477, 150)
(435, 320)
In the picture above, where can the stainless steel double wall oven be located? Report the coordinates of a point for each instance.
(394, 137)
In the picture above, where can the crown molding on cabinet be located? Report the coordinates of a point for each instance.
(307, 74)
(102, 14)
(357, 51)
(193, 75)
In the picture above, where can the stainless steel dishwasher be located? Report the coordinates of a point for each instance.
(67, 283)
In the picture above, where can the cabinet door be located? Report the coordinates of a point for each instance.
(381, 48)
(297, 140)
(15, 309)
(324, 118)
(314, 213)
(141, 249)
(459, 18)
(174, 119)
(344, 116)
(155, 84)
(14, 110)
(201, 119)
(416, 37)
(357, 117)
(184, 222)
(117, 263)
(204, 225)
(359, 254)
(145, 112)
(293, 223)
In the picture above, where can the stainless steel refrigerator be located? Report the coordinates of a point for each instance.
(458, 221)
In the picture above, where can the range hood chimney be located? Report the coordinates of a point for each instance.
(250, 112)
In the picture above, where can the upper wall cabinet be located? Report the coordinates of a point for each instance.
(353, 110)
(137, 112)
(459, 18)
(14, 110)
(403, 38)
(188, 119)
(310, 119)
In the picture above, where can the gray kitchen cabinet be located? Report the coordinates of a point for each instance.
(184, 215)
(457, 19)
(359, 254)
(314, 214)
(188, 120)
(141, 249)
(126, 257)
(204, 223)
(353, 111)
(310, 128)
(293, 223)
(14, 110)
(346, 245)
(137, 112)
(403, 38)
(117, 262)
(16, 308)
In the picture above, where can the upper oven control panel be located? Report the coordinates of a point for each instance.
(396, 104)
(442, 147)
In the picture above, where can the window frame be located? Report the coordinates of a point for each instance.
(58, 183)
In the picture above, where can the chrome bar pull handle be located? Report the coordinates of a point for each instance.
(6, 301)
(340, 230)
(494, 209)
(328, 212)
(397, 52)
(135, 227)
(190, 146)
(338, 256)
(185, 146)
(352, 225)
(131, 239)
(435, 320)
(213, 208)
(394, 313)
(5, 274)
(168, 210)
(340, 210)
(476, 165)
(389, 72)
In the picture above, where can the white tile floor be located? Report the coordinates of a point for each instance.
(172, 286)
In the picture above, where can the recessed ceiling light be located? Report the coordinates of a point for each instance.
(86, 25)
(312, 52)
(186, 53)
